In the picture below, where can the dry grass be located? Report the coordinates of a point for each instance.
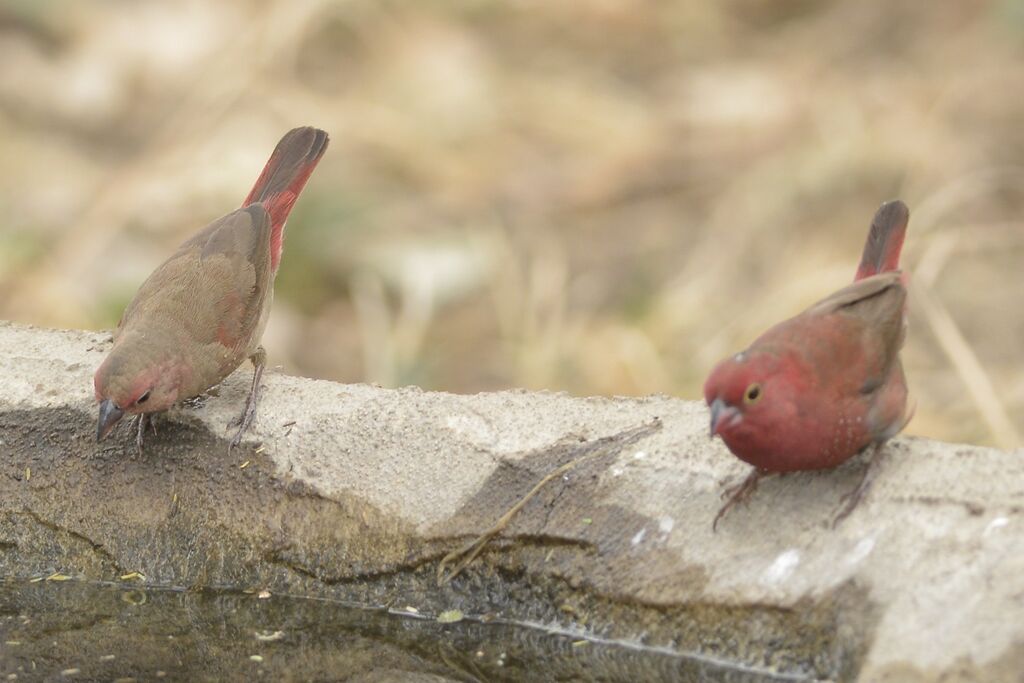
(601, 197)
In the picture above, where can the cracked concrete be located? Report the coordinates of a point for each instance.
(354, 492)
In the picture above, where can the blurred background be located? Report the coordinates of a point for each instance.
(601, 197)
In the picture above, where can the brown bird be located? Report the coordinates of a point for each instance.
(203, 311)
(816, 389)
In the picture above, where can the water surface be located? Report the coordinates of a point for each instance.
(55, 629)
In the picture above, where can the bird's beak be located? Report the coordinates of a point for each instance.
(721, 412)
(109, 415)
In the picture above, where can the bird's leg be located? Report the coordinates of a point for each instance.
(139, 423)
(849, 501)
(140, 431)
(259, 361)
(739, 493)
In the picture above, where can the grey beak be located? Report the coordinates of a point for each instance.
(109, 415)
(717, 408)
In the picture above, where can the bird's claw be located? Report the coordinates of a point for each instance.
(196, 402)
(730, 491)
(843, 513)
(738, 493)
(849, 501)
(243, 422)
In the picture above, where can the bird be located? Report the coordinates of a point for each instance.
(820, 387)
(202, 312)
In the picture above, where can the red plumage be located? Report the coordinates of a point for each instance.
(818, 388)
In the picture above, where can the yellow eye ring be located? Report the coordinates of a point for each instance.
(752, 394)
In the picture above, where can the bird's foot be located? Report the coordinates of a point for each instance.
(849, 501)
(245, 420)
(739, 493)
(196, 402)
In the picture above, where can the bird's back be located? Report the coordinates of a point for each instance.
(843, 353)
(209, 301)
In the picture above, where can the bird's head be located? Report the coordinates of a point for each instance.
(748, 394)
(138, 376)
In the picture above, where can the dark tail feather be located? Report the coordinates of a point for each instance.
(283, 178)
(882, 250)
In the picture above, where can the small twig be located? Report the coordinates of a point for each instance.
(953, 342)
(470, 551)
(967, 365)
(932, 262)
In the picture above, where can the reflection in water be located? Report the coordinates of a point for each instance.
(79, 631)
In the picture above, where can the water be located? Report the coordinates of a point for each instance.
(77, 631)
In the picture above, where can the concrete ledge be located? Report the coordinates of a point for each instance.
(355, 492)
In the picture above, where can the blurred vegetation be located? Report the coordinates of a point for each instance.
(602, 196)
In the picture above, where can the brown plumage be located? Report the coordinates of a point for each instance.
(202, 312)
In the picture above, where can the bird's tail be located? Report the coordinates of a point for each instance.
(283, 178)
(882, 250)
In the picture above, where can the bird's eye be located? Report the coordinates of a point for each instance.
(143, 398)
(752, 394)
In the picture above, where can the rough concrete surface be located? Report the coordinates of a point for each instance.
(355, 492)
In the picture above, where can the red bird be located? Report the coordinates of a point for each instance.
(818, 388)
(202, 312)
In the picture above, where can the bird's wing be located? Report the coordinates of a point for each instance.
(884, 291)
(871, 314)
(215, 284)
